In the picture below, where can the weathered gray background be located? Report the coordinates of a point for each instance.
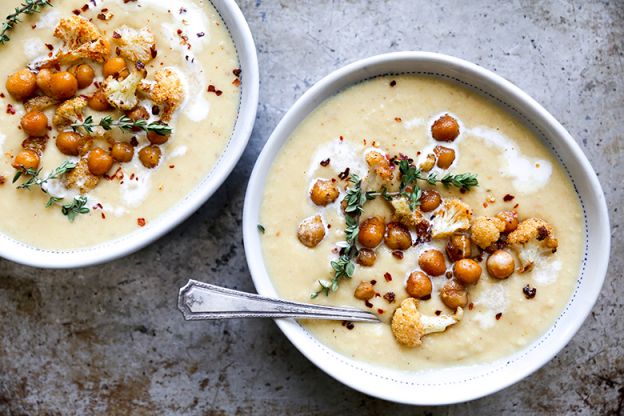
(108, 340)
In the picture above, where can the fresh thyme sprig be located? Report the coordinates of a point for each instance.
(125, 123)
(28, 7)
(74, 208)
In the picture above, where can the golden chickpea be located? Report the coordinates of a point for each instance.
(429, 200)
(122, 152)
(500, 264)
(510, 218)
(150, 156)
(98, 101)
(35, 124)
(364, 291)
(114, 67)
(155, 138)
(22, 84)
(397, 236)
(371, 232)
(458, 247)
(99, 161)
(419, 285)
(69, 143)
(84, 74)
(324, 192)
(445, 155)
(467, 271)
(453, 295)
(311, 231)
(63, 85)
(44, 79)
(138, 113)
(26, 159)
(366, 257)
(432, 262)
(445, 129)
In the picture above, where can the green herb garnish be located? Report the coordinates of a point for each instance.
(261, 228)
(124, 123)
(28, 7)
(76, 207)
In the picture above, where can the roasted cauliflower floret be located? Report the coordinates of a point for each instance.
(82, 40)
(122, 93)
(378, 162)
(409, 325)
(135, 45)
(533, 239)
(485, 231)
(69, 112)
(81, 178)
(39, 103)
(404, 215)
(453, 215)
(166, 89)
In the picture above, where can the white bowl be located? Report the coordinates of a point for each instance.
(457, 384)
(248, 61)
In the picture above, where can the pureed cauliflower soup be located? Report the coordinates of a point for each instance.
(113, 112)
(430, 206)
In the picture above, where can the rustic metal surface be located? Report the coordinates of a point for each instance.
(109, 339)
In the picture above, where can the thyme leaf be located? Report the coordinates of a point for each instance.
(27, 7)
(124, 123)
(75, 208)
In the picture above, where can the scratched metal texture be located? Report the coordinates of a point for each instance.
(108, 339)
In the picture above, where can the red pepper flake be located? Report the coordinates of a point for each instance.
(380, 311)
(10, 109)
(470, 306)
(211, 88)
(84, 8)
(76, 12)
(236, 72)
(2, 180)
(103, 216)
(98, 205)
(171, 166)
(389, 296)
(2, 95)
(529, 292)
(33, 27)
(508, 197)
(182, 10)
(438, 313)
(329, 226)
(153, 51)
(485, 205)
(101, 16)
(348, 324)
(141, 222)
(373, 282)
(344, 174)
(50, 47)
(341, 138)
(398, 254)
(132, 176)
(368, 304)
(388, 277)
(499, 316)
(516, 206)
(201, 34)
(140, 66)
(325, 162)
(398, 119)
(116, 35)
(236, 82)
(392, 83)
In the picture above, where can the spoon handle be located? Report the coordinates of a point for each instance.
(199, 301)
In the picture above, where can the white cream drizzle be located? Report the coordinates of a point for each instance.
(415, 122)
(2, 140)
(342, 155)
(494, 300)
(546, 272)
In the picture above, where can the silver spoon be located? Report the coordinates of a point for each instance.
(198, 301)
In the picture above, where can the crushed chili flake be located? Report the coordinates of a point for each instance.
(212, 88)
(341, 138)
(373, 282)
(134, 142)
(398, 254)
(470, 306)
(344, 174)
(10, 109)
(392, 83)
(132, 176)
(201, 34)
(499, 316)
(390, 296)
(388, 277)
(76, 12)
(325, 162)
(171, 166)
(2, 180)
(50, 47)
(236, 72)
(141, 222)
(368, 304)
(154, 52)
(236, 82)
(438, 313)
(103, 216)
(85, 7)
(348, 324)
(449, 275)
(2, 95)
(398, 119)
(380, 311)
(508, 197)
(328, 226)
(529, 292)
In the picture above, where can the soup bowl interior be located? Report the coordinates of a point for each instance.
(452, 384)
(241, 35)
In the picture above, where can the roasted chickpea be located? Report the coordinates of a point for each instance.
(510, 218)
(364, 291)
(432, 262)
(397, 236)
(500, 264)
(371, 232)
(150, 156)
(445, 155)
(429, 200)
(453, 295)
(311, 231)
(155, 138)
(84, 74)
(445, 129)
(366, 257)
(22, 84)
(69, 143)
(467, 271)
(26, 159)
(324, 192)
(98, 101)
(419, 285)
(458, 247)
(44, 79)
(63, 85)
(99, 161)
(138, 113)
(114, 67)
(122, 152)
(35, 124)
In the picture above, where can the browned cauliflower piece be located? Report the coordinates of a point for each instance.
(380, 164)
(81, 178)
(533, 240)
(409, 325)
(39, 103)
(122, 93)
(69, 112)
(428, 164)
(404, 215)
(135, 45)
(82, 40)
(485, 231)
(166, 89)
(453, 215)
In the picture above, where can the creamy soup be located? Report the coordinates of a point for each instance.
(178, 62)
(394, 119)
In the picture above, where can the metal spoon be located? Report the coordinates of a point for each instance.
(198, 301)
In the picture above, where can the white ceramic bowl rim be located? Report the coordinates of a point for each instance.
(236, 24)
(458, 384)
